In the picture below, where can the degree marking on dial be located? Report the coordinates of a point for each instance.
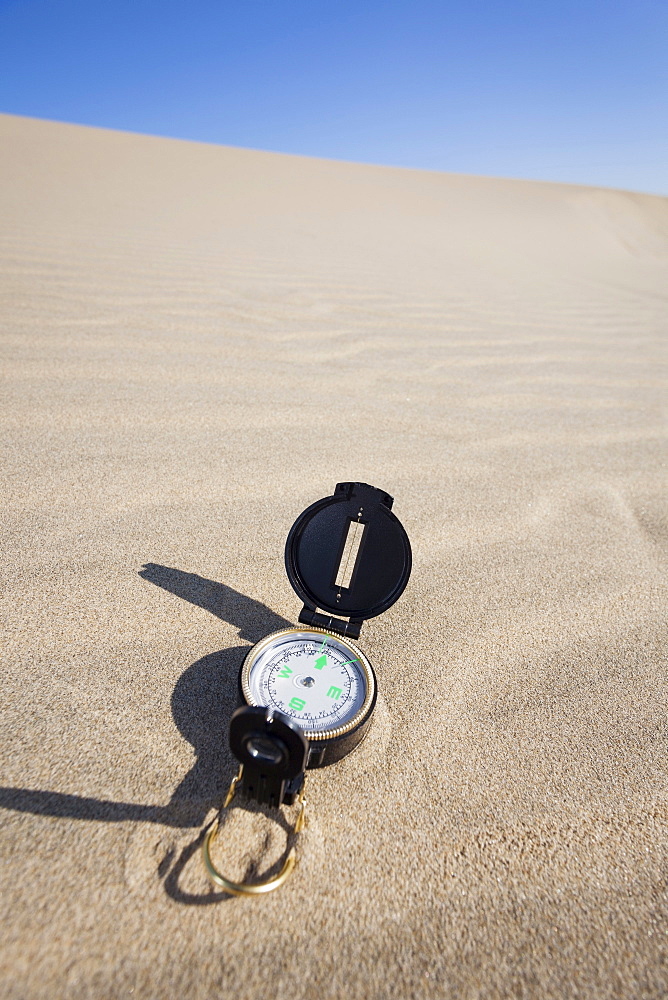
(326, 706)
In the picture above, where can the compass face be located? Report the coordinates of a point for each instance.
(321, 681)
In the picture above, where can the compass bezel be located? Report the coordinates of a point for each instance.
(320, 735)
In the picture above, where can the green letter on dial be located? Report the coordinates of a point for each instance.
(297, 704)
(334, 692)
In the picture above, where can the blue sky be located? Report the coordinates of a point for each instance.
(565, 91)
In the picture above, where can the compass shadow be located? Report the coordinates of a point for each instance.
(202, 703)
(253, 619)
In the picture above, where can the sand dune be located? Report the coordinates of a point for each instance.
(198, 342)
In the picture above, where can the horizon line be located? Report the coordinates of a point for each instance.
(333, 159)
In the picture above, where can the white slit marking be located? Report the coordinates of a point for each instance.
(350, 553)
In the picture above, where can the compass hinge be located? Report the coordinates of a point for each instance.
(309, 616)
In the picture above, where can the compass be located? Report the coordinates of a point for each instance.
(308, 693)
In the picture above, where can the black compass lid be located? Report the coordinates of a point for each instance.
(348, 555)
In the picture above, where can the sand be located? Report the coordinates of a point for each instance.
(198, 342)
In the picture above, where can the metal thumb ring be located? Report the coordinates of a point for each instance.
(243, 888)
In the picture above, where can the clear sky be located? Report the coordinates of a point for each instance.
(566, 90)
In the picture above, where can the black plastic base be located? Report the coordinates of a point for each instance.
(322, 753)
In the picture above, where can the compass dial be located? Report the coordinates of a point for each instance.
(323, 682)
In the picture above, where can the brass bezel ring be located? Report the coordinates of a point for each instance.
(320, 734)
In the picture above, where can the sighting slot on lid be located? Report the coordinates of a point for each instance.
(349, 555)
